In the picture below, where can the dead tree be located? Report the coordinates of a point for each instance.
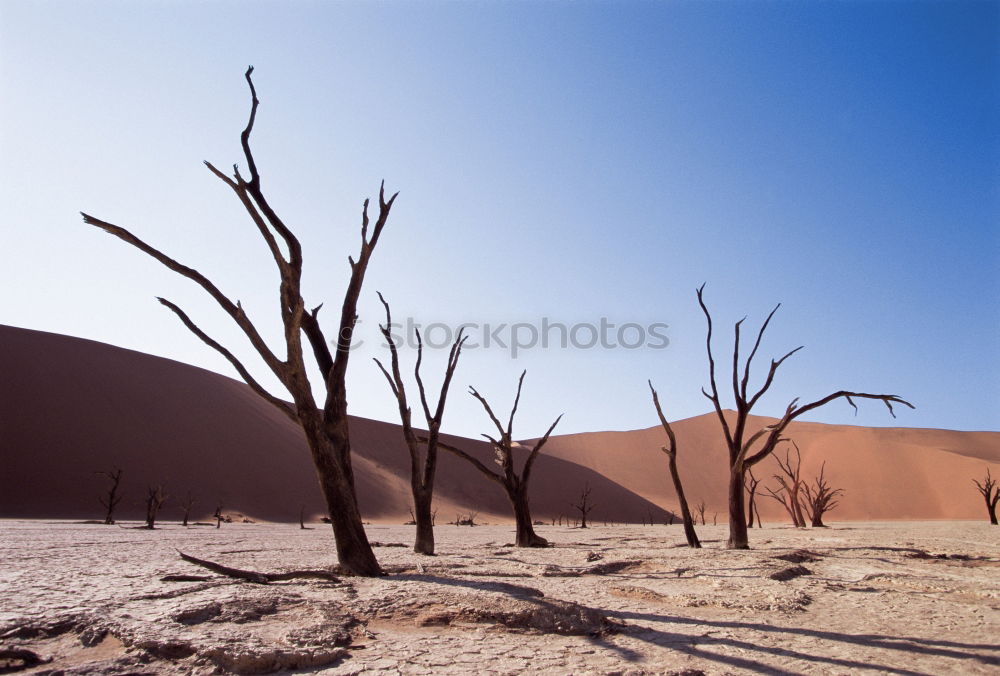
(991, 493)
(422, 465)
(752, 511)
(819, 498)
(111, 500)
(325, 425)
(514, 485)
(584, 506)
(186, 504)
(789, 486)
(700, 508)
(155, 497)
(218, 516)
(671, 450)
(746, 448)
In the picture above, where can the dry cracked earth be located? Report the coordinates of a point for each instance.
(896, 598)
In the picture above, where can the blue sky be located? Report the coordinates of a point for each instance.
(569, 161)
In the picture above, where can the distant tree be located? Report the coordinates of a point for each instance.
(819, 498)
(752, 511)
(514, 485)
(155, 497)
(423, 465)
(325, 424)
(743, 449)
(111, 500)
(700, 508)
(991, 493)
(186, 504)
(671, 451)
(584, 506)
(218, 516)
(790, 486)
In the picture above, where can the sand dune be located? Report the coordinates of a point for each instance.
(70, 407)
(887, 473)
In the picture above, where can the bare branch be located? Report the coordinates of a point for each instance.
(663, 421)
(529, 463)
(714, 397)
(517, 400)
(482, 400)
(234, 310)
(753, 353)
(465, 456)
(231, 358)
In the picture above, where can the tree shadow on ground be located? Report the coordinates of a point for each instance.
(688, 644)
(692, 645)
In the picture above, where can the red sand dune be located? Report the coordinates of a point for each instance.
(70, 407)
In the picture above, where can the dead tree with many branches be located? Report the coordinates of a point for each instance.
(325, 425)
(991, 493)
(187, 504)
(155, 497)
(819, 498)
(746, 448)
(671, 451)
(515, 485)
(422, 465)
(584, 506)
(111, 500)
(790, 486)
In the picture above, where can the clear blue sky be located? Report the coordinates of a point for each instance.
(564, 160)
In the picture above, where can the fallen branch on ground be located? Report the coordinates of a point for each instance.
(256, 577)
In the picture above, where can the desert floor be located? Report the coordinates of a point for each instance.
(879, 598)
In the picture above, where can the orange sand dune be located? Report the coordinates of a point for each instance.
(70, 407)
(887, 473)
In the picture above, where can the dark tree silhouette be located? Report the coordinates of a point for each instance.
(743, 448)
(155, 497)
(111, 500)
(186, 504)
(790, 486)
(422, 465)
(671, 450)
(516, 486)
(218, 516)
(700, 508)
(991, 493)
(819, 498)
(752, 511)
(325, 426)
(584, 506)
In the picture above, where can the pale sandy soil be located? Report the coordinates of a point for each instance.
(91, 598)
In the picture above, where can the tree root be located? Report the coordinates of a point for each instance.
(256, 577)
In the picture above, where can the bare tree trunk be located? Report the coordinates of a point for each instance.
(752, 499)
(737, 515)
(526, 536)
(689, 533)
(671, 450)
(424, 543)
(354, 552)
